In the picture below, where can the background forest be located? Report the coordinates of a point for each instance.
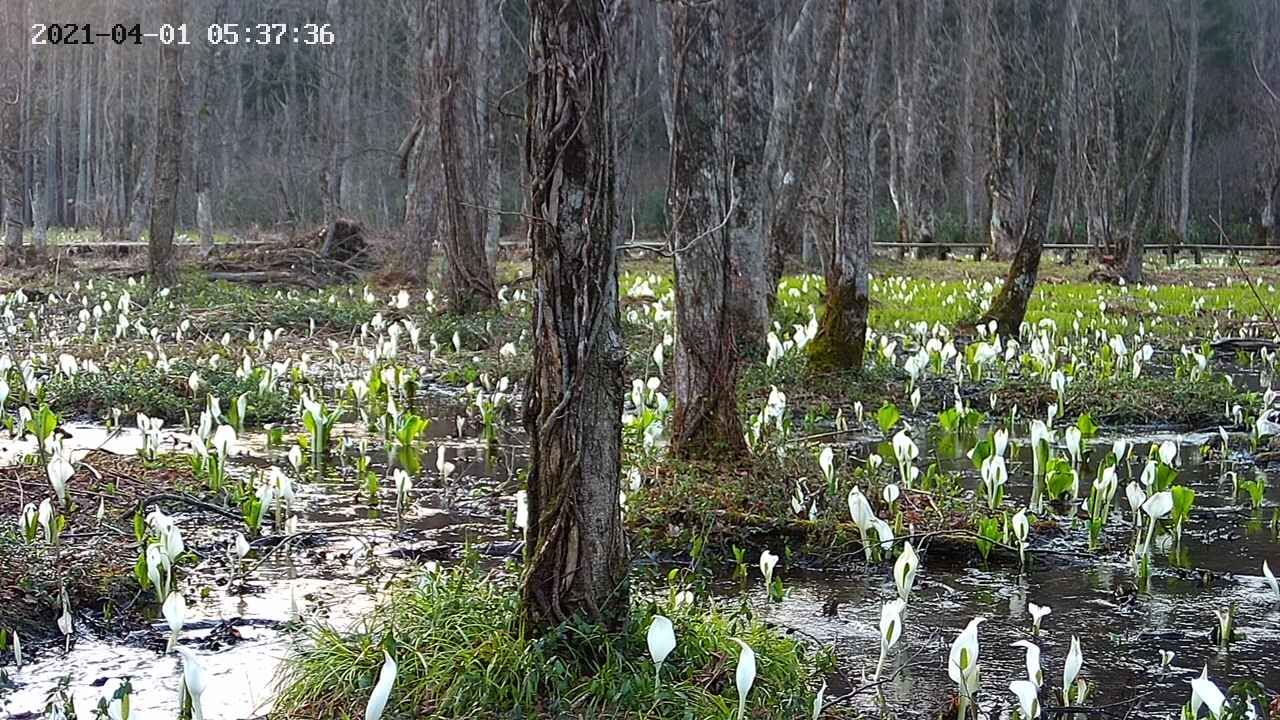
(1161, 115)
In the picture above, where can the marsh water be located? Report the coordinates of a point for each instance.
(345, 553)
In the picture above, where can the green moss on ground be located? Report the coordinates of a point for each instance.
(1147, 400)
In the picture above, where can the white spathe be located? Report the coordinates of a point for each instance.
(382, 690)
(662, 640)
(745, 676)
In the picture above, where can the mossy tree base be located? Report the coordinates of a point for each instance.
(842, 334)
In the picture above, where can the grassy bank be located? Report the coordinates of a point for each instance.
(456, 637)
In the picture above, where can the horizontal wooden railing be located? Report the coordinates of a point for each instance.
(1176, 247)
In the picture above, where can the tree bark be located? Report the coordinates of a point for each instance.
(12, 173)
(420, 153)
(842, 334)
(576, 549)
(204, 220)
(335, 178)
(1143, 184)
(491, 159)
(791, 156)
(164, 204)
(1023, 159)
(745, 128)
(143, 193)
(912, 136)
(1189, 118)
(705, 417)
(468, 281)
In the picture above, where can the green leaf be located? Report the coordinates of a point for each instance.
(1086, 426)
(887, 416)
(982, 451)
(1183, 498)
(1059, 478)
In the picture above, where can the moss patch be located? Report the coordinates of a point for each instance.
(1147, 400)
(136, 388)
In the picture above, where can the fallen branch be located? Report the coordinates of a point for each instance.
(188, 500)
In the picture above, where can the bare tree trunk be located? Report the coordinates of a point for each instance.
(1271, 193)
(576, 549)
(468, 281)
(12, 177)
(745, 127)
(971, 23)
(143, 191)
(335, 178)
(204, 220)
(1143, 184)
(164, 205)
(706, 359)
(491, 43)
(1189, 117)
(791, 156)
(1063, 204)
(912, 139)
(1023, 156)
(842, 335)
(83, 204)
(39, 219)
(420, 151)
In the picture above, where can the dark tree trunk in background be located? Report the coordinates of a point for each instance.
(468, 281)
(164, 204)
(419, 153)
(143, 192)
(706, 359)
(576, 550)
(12, 174)
(842, 334)
(791, 156)
(1142, 188)
(745, 127)
(1189, 118)
(1023, 155)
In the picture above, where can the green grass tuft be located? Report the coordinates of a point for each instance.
(456, 637)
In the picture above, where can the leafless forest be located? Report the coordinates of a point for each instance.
(1116, 121)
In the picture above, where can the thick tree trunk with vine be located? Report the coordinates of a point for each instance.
(164, 203)
(575, 546)
(706, 359)
(842, 334)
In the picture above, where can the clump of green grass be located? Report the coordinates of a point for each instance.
(159, 393)
(457, 639)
